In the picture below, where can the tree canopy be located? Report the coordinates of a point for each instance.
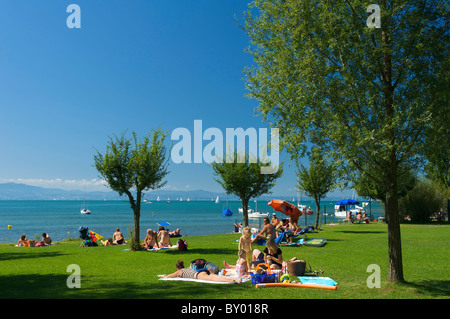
(131, 166)
(316, 180)
(243, 178)
(364, 95)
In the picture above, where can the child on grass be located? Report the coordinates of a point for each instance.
(245, 243)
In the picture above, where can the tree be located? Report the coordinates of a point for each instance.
(316, 181)
(133, 166)
(364, 186)
(437, 136)
(243, 178)
(425, 200)
(323, 76)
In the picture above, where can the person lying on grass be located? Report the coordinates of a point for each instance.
(203, 274)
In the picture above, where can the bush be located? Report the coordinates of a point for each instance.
(425, 200)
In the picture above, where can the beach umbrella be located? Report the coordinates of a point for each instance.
(347, 201)
(286, 208)
(227, 212)
(94, 236)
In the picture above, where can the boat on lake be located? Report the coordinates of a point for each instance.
(344, 207)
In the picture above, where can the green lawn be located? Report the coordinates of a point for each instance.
(110, 272)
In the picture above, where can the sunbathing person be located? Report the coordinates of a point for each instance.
(46, 238)
(118, 238)
(273, 255)
(151, 240)
(175, 233)
(108, 242)
(165, 237)
(267, 231)
(203, 274)
(23, 242)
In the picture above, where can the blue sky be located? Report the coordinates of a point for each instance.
(133, 65)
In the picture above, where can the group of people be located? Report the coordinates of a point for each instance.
(248, 259)
(275, 227)
(116, 239)
(160, 239)
(24, 242)
(359, 216)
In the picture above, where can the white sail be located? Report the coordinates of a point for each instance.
(217, 200)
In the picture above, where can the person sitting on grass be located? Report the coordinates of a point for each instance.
(46, 239)
(118, 238)
(165, 237)
(23, 242)
(267, 231)
(151, 240)
(203, 274)
(242, 265)
(273, 255)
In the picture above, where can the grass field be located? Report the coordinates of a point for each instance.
(110, 272)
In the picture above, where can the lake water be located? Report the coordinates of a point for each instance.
(61, 219)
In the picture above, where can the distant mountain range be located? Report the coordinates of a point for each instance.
(15, 191)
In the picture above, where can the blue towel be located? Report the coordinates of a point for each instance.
(317, 280)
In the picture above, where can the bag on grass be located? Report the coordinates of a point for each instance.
(198, 264)
(182, 245)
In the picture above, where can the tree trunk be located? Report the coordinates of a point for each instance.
(317, 212)
(394, 238)
(395, 273)
(244, 211)
(137, 216)
(136, 206)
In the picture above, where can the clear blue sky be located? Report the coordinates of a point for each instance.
(133, 65)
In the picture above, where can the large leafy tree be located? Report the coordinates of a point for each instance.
(323, 76)
(243, 178)
(316, 180)
(132, 166)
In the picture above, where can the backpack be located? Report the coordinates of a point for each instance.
(198, 264)
(182, 245)
(212, 268)
(39, 244)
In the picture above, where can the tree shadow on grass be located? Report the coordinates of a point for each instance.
(160, 290)
(27, 255)
(435, 288)
(203, 251)
(360, 232)
(32, 286)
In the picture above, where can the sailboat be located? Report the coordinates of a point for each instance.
(158, 199)
(217, 200)
(256, 214)
(84, 210)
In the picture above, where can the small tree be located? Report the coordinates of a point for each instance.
(317, 180)
(134, 165)
(243, 178)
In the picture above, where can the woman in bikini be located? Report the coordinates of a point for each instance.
(202, 274)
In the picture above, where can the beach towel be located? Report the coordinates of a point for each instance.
(317, 280)
(162, 248)
(201, 280)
